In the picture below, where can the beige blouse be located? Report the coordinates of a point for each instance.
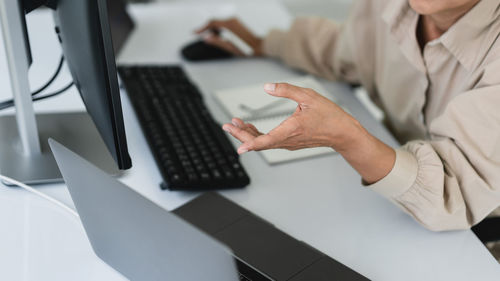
(443, 103)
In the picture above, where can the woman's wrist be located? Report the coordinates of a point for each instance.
(258, 47)
(369, 156)
(350, 132)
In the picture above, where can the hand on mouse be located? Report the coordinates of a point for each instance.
(238, 29)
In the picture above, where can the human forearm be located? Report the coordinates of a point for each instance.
(318, 121)
(369, 156)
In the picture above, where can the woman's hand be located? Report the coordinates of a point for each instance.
(238, 29)
(317, 121)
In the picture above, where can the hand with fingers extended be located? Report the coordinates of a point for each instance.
(214, 27)
(316, 122)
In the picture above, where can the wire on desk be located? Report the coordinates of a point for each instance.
(43, 195)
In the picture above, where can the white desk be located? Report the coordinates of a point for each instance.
(319, 201)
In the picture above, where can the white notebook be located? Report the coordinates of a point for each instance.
(252, 104)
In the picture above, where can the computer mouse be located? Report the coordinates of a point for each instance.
(201, 51)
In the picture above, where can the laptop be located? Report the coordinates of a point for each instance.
(209, 238)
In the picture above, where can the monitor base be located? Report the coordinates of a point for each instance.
(74, 130)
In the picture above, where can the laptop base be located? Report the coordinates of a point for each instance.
(260, 244)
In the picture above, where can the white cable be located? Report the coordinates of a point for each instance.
(43, 195)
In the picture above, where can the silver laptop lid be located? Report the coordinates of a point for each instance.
(134, 235)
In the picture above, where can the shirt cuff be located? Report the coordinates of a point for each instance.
(401, 177)
(274, 43)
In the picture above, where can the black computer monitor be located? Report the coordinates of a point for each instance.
(84, 32)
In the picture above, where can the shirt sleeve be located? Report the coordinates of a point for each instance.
(309, 45)
(453, 180)
(326, 48)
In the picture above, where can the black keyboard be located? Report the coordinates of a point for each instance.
(190, 148)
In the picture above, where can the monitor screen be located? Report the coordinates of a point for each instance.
(84, 33)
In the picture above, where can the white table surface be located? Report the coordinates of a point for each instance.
(319, 201)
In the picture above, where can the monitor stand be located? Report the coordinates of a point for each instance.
(74, 130)
(24, 152)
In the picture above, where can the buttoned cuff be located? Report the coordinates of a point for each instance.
(274, 43)
(401, 177)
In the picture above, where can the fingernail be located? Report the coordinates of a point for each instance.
(235, 123)
(226, 128)
(243, 148)
(269, 87)
(208, 37)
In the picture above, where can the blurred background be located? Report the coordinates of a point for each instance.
(334, 9)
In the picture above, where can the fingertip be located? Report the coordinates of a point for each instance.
(247, 146)
(227, 128)
(237, 122)
(208, 38)
(242, 149)
(270, 87)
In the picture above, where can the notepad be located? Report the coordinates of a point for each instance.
(252, 104)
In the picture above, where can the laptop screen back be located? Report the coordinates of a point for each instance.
(135, 236)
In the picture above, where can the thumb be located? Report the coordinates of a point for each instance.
(285, 90)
